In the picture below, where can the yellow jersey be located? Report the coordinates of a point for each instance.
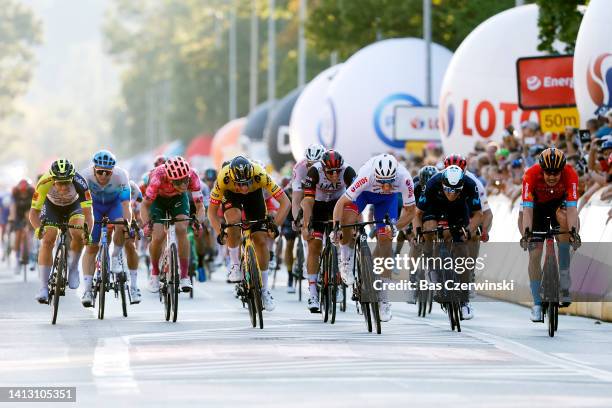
(261, 180)
(45, 189)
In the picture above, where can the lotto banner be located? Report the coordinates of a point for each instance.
(545, 82)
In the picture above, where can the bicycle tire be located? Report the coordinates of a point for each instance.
(429, 301)
(255, 284)
(421, 303)
(299, 259)
(56, 282)
(365, 260)
(174, 281)
(457, 315)
(333, 292)
(556, 317)
(103, 281)
(551, 319)
(123, 298)
(365, 308)
(163, 290)
(324, 298)
(343, 304)
(192, 286)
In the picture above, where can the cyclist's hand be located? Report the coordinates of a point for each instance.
(525, 240)
(484, 236)
(197, 229)
(148, 230)
(306, 234)
(336, 234)
(295, 226)
(575, 239)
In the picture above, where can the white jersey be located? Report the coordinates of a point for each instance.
(482, 191)
(318, 185)
(366, 181)
(117, 188)
(299, 173)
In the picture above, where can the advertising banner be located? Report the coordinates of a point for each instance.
(545, 82)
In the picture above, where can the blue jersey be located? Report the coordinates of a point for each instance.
(116, 190)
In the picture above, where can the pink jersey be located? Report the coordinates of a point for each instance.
(160, 185)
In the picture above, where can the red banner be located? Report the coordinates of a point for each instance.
(545, 82)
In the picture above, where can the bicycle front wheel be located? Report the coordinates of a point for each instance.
(174, 281)
(103, 282)
(122, 290)
(255, 284)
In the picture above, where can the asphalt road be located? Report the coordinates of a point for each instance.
(212, 357)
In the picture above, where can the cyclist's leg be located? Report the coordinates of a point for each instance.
(565, 281)
(315, 246)
(45, 254)
(232, 214)
(536, 248)
(255, 209)
(115, 213)
(131, 256)
(288, 256)
(89, 257)
(180, 210)
(350, 215)
(157, 211)
(77, 243)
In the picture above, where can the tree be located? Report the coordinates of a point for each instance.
(346, 26)
(19, 32)
(558, 20)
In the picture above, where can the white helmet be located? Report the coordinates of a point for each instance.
(314, 152)
(453, 177)
(385, 167)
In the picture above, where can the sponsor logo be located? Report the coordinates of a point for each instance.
(35, 196)
(358, 184)
(447, 115)
(87, 195)
(599, 80)
(417, 123)
(533, 83)
(384, 117)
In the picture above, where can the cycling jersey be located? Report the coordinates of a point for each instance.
(536, 191)
(135, 196)
(418, 190)
(482, 191)
(45, 190)
(116, 190)
(366, 182)
(160, 185)
(317, 185)
(22, 201)
(435, 205)
(261, 181)
(299, 172)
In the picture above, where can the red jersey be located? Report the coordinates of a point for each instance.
(161, 185)
(535, 189)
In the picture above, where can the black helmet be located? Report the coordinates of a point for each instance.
(552, 160)
(62, 170)
(425, 174)
(332, 160)
(241, 170)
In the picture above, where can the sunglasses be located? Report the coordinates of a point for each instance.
(333, 171)
(552, 173)
(390, 181)
(452, 190)
(180, 182)
(104, 172)
(242, 183)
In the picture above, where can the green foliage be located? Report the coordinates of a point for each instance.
(346, 25)
(19, 32)
(558, 20)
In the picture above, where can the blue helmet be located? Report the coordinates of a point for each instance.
(104, 159)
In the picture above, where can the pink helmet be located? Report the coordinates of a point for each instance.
(177, 168)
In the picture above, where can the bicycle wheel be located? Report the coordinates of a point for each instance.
(556, 317)
(550, 317)
(59, 264)
(457, 315)
(324, 298)
(299, 266)
(343, 304)
(122, 288)
(173, 284)
(421, 300)
(365, 260)
(103, 281)
(333, 279)
(255, 285)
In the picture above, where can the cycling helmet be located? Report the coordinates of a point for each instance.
(606, 145)
(332, 160)
(240, 170)
(314, 152)
(455, 159)
(517, 163)
(552, 159)
(159, 160)
(453, 177)
(425, 174)
(62, 170)
(104, 159)
(177, 168)
(385, 167)
(210, 174)
(23, 185)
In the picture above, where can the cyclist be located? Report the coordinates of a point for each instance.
(550, 190)
(239, 188)
(200, 237)
(289, 235)
(61, 195)
(378, 182)
(210, 176)
(131, 254)
(325, 182)
(110, 192)
(167, 194)
(312, 155)
(20, 207)
(452, 197)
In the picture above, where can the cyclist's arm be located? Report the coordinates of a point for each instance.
(309, 186)
(417, 220)
(285, 206)
(571, 197)
(296, 201)
(34, 217)
(144, 211)
(89, 219)
(406, 216)
(126, 210)
(215, 222)
(339, 207)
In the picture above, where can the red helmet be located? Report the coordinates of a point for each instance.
(159, 160)
(23, 185)
(455, 160)
(177, 168)
(332, 160)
